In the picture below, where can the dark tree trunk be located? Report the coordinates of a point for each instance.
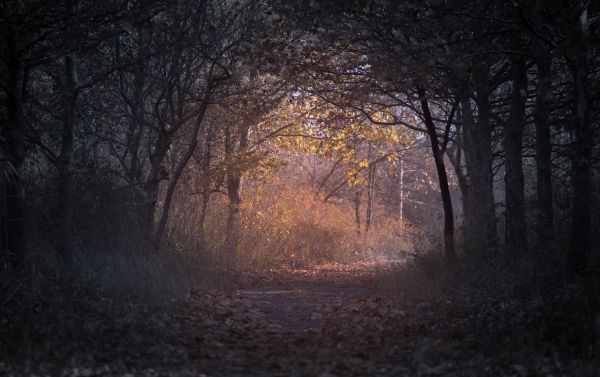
(234, 192)
(543, 152)
(478, 157)
(13, 134)
(71, 92)
(234, 218)
(357, 195)
(580, 235)
(152, 184)
(543, 143)
(137, 118)
(472, 230)
(468, 226)
(438, 157)
(206, 184)
(65, 206)
(370, 194)
(456, 158)
(181, 165)
(3, 196)
(202, 215)
(515, 231)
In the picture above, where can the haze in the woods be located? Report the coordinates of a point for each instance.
(299, 188)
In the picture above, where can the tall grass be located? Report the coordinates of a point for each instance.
(290, 226)
(295, 228)
(115, 272)
(112, 253)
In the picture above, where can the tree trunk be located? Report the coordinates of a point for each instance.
(65, 205)
(478, 157)
(401, 195)
(543, 143)
(515, 230)
(64, 184)
(234, 218)
(181, 165)
(206, 183)
(580, 235)
(438, 157)
(456, 159)
(468, 226)
(370, 194)
(357, 195)
(234, 192)
(202, 215)
(137, 118)
(13, 135)
(152, 183)
(472, 230)
(543, 154)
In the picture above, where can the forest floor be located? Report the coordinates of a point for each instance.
(327, 321)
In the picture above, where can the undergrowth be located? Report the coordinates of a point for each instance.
(285, 226)
(115, 272)
(527, 304)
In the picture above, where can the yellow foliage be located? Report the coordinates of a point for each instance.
(339, 134)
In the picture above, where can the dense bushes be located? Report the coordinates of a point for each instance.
(289, 226)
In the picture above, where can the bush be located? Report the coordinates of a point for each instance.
(528, 303)
(295, 228)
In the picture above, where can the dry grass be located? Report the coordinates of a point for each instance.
(294, 228)
(285, 226)
(111, 251)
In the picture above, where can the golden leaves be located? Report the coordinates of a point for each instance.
(337, 133)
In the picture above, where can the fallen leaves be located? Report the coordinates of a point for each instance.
(326, 322)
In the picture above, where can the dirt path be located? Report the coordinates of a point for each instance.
(333, 321)
(307, 323)
(299, 300)
(324, 322)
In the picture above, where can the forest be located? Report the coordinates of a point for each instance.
(299, 188)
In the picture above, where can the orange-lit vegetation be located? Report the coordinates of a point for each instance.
(289, 225)
(315, 185)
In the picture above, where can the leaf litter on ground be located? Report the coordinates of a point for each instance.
(328, 321)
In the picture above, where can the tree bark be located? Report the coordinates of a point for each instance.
(234, 218)
(543, 150)
(472, 230)
(515, 230)
(206, 183)
(65, 205)
(357, 195)
(13, 134)
(64, 184)
(478, 158)
(543, 143)
(449, 248)
(202, 215)
(152, 183)
(580, 234)
(455, 156)
(181, 165)
(370, 193)
(234, 193)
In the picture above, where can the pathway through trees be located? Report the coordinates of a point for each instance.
(328, 321)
